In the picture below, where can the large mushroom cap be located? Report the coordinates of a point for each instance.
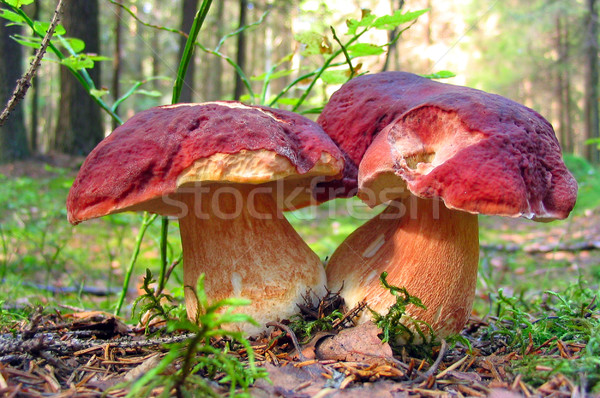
(517, 147)
(363, 107)
(164, 148)
(479, 152)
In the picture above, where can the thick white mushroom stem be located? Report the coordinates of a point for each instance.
(425, 247)
(238, 238)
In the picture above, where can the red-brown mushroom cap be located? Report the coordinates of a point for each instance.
(518, 148)
(479, 152)
(163, 148)
(360, 109)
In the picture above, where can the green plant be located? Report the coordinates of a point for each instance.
(593, 141)
(393, 324)
(336, 65)
(77, 61)
(304, 329)
(185, 368)
(154, 303)
(8, 317)
(541, 327)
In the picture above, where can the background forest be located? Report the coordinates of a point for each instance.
(541, 53)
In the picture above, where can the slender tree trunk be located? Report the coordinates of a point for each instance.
(116, 64)
(392, 52)
(155, 59)
(591, 79)
(563, 84)
(214, 86)
(559, 82)
(188, 14)
(79, 127)
(34, 94)
(567, 102)
(13, 136)
(241, 50)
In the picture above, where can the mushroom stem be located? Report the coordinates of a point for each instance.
(237, 237)
(425, 247)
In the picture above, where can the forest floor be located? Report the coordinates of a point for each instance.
(535, 331)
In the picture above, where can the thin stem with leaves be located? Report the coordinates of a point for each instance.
(146, 222)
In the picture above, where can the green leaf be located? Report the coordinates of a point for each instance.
(593, 141)
(365, 21)
(315, 43)
(81, 61)
(273, 76)
(312, 111)
(389, 22)
(443, 74)
(246, 98)
(18, 3)
(364, 49)
(288, 101)
(27, 41)
(149, 93)
(100, 93)
(95, 58)
(42, 27)
(11, 16)
(335, 76)
(76, 45)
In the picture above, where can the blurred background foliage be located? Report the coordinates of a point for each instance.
(542, 53)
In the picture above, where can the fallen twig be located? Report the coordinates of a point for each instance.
(292, 335)
(431, 371)
(536, 249)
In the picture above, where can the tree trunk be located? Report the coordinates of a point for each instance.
(241, 50)
(563, 84)
(214, 86)
(156, 60)
(187, 19)
(34, 94)
(116, 64)
(392, 52)
(13, 136)
(591, 80)
(79, 127)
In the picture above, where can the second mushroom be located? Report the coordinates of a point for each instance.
(441, 154)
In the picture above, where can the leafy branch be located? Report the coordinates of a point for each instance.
(24, 83)
(76, 63)
(319, 44)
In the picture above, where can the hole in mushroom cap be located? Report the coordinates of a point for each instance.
(426, 137)
(413, 161)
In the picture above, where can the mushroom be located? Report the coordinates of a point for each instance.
(226, 171)
(359, 110)
(450, 153)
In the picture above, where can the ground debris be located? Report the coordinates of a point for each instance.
(73, 355)
(94, 354)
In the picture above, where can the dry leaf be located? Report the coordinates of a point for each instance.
(357, 344)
